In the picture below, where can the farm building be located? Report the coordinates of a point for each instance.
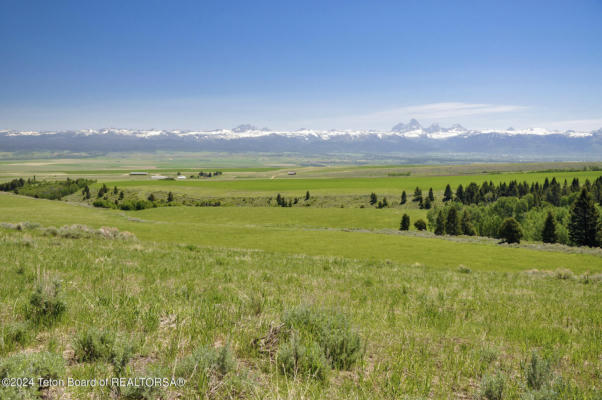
(181, 177)
(138, 173)
(292, 173)
(158, 177)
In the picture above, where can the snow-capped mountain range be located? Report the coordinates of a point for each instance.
(403, 138)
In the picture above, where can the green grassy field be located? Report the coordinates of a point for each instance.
(426, 332)
(302, 302)
(297, 186)
(297, 231)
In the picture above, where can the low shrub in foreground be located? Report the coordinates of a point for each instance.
(43, 365)
(341, 345)
(46, 304)
(93, 345)
(295, 358)
(13, 335)
(492, 387)
(207, 360)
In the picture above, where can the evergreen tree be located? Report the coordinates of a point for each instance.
(471, 194)
(575, 185)
(115, 190)
(121, 195)
(431, 195)
(426, 204)
(385, 203)
(169, 197)
(548, 235)
(417, 195)
(466, 225)
(447, 195)
(420, 225)
(554, 193)
(307, 195)
(452, 226)
(373, 198)
(405, 223)
(151, 197)
(510, 231)
(440, 224)
(404, 197)
(584, 225)
(460, 193)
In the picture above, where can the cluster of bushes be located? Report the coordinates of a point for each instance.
(209, 203)
(72, 231)
(312, 342)
(52, 190)
(538, 382)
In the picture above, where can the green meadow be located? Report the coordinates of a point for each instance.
(313, 301)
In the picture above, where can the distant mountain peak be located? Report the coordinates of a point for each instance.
(457, 127)
(413, 125)
(245, 128)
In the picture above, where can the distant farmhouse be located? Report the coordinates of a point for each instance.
(292, 173)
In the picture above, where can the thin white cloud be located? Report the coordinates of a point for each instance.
(576, 124)
(424, 112)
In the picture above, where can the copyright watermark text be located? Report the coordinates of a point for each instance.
(146, 381)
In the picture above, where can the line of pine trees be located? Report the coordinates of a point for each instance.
(582, 225)
(550, 191)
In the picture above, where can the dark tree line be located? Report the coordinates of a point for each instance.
(550, 191)
(207, 174)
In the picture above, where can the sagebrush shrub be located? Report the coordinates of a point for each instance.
(295, 358)
(341, 345)
(207, 360)
(93, 345)
(463, 269)
(17, 333)
(46, 304)
(492, 387)
(537, 372)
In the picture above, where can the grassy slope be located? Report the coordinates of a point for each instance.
(274, 230)
(429, 332)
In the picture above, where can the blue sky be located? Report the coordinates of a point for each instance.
(286, 65)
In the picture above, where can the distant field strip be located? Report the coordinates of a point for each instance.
(391, 186)
(257, 228)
